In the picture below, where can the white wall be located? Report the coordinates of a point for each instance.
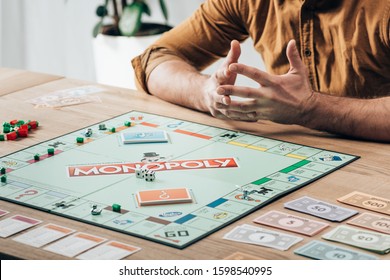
(54, 36)
(1, 31)
(11, 34)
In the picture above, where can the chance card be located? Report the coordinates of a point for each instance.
(165, 196)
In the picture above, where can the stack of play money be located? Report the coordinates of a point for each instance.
(324, 251)
(373, 222)
(291, 223)
(367, 201)
(263, 237)
(368, 240)
(320, 209)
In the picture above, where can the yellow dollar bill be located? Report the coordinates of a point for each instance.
(367, 201)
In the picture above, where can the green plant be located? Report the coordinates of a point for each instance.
(126, 18)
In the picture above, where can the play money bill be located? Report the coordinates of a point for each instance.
(367, 201)
(262, 237)
(372, 221)
(320, 209)
(364, 239)
(319, 250)
(291, 223)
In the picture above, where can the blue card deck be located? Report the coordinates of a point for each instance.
(133, 137)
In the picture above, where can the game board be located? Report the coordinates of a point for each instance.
(228, 175)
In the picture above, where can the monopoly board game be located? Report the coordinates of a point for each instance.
(201, 178)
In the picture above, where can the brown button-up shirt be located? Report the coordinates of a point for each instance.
(345, 44)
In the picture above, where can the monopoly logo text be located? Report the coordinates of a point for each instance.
(129, 168)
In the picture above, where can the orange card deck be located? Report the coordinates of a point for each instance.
(165, 196)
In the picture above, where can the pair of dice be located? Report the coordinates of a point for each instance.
(145, 173)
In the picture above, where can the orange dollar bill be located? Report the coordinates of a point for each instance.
(367, 201)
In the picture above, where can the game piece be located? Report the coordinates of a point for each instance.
(245, 195)
(13, 122)
(23, 126)
(33, 124)
(136, 118)
(116, 208)
(3, 179)
(165, 196)
(95, 211)
(22, 132)
(102, 126)
(14, 129)
(150, 176)
(127, 123)
(6, 129)
(133, 137)
(50, 151)
(80, 140)
(37, 157)
(3, 170)
(88, 132)
(12, 135)
(113, 129)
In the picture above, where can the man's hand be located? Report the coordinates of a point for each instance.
(279, 98)
(215, 102)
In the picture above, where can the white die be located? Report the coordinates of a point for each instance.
(150, 176)
(139, 174)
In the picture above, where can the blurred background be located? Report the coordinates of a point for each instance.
(55, 36)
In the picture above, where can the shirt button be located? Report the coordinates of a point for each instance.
(307, 53)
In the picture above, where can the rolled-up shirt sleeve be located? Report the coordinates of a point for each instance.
(200, 40)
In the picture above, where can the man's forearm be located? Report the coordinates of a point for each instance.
(360, 118)
(178, 82)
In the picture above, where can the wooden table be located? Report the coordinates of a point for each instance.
(369, 174)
